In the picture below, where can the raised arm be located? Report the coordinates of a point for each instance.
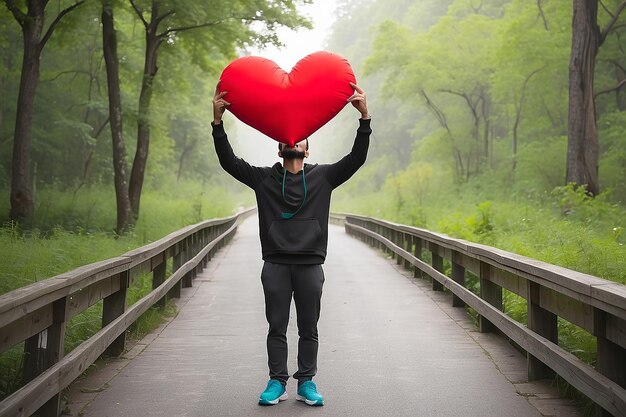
(235, 166)
(340, 171)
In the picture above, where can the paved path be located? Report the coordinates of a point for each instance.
(388, 347)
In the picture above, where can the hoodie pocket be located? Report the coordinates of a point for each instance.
(295, 235)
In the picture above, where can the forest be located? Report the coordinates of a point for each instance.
(497, 121)
(472, 115)
(105, 122)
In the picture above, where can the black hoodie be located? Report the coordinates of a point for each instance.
(301, 239)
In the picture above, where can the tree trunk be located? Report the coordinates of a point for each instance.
(22, 204)
(518, 115)
(186, 149)
(143, 121)
(109, 47)
(458, 158)
(582, 144)
(620, 93)
(486, 108)
(22, 201)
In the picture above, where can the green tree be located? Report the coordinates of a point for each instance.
(35, 38)
(370, 18)
(530, 96)
(221, 29)
(450, 67)
(583, 149)
(109, 47)
(10, 40)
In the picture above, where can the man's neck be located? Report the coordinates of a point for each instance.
(293, 165)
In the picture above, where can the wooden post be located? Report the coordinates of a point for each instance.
(188, 254)
(158, 277)
(417, 252)
(388, 235)
(199, 246)
(541, 322)
(211, 238)
(176, 264)
(374, 228)
(408, 246)
(220, 243)
(44, 350)
(203, 242)
(399, 241)
(437, 263)
(611, 357)
(490, 292)
(114, 306)
(194, 250)
(207, 240)
(458, 276)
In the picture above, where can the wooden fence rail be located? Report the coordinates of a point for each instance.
(594, 304)
(37, 314)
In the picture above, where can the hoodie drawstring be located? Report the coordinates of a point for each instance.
(287, 215)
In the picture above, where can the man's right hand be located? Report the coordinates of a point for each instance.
(219, 104)
(358, 101)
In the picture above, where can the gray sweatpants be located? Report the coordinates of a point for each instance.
(305, 283)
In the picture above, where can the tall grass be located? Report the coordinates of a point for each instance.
(72, 231)
(39, 255)
(563, 226)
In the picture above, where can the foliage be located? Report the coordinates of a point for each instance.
(71, 138)
(479, 91)
(76, 230)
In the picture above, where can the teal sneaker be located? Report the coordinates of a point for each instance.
(274, 393)
(307, 392)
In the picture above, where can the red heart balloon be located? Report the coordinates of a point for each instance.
(288, 107)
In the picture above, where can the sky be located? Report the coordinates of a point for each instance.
(250, 144)
(299, 44)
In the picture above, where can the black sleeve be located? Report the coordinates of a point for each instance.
(235, 166)
(340, 171)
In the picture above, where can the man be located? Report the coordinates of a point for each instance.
(293, 200)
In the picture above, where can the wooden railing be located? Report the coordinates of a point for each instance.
(594, 304)
(37, 314)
